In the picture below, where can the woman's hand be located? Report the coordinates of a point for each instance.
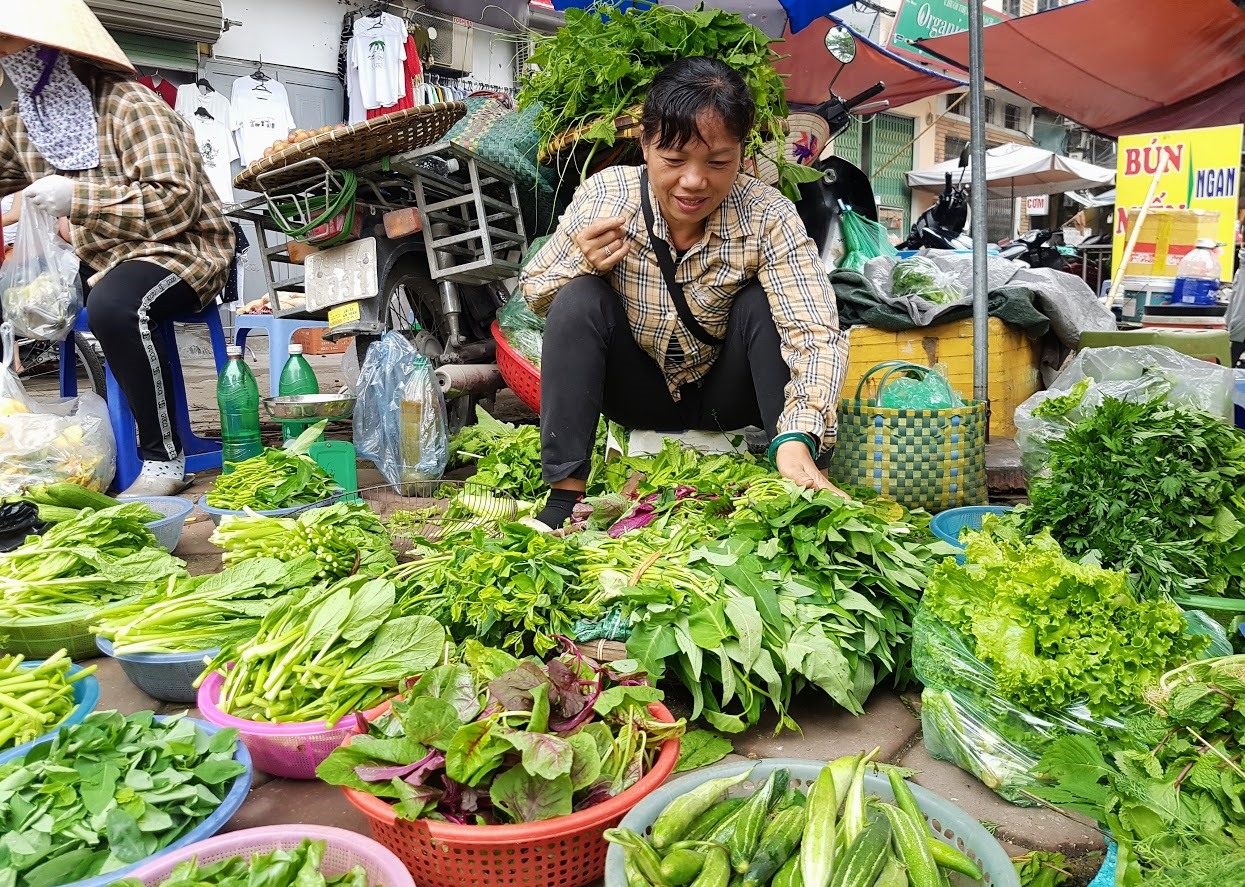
(604, 243)
(795, 463)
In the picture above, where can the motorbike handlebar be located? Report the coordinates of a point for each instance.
(864, 96)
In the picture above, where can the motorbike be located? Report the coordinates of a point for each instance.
(843, 185)
(1039, 249)
(942, 225)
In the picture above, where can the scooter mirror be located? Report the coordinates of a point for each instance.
(964, 155)
(841, 44)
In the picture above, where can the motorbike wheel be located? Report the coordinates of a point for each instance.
(41, 364)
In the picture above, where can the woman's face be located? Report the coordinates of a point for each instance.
(12, 45)
(691, 182)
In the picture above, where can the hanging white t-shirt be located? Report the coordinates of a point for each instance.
(216, 147)
(354, 90)
(190, 98)
(379, 50)
(260, 113)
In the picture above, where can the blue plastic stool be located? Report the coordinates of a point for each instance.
(280, 333)
(202, 454)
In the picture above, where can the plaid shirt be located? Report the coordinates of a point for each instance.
(755, 235)
(149, 198)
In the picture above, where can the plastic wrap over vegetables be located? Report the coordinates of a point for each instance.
(69, 440)
(40, 286)
(920, 276)
(523, 329)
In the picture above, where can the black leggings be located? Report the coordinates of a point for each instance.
(591, 364)
(123, 310)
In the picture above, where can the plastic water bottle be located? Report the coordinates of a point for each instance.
(237, 396)
(1197, 275)
(297, 377)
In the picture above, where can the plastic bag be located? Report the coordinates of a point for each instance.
(399, 419)
(1137, 373)
(40, 288)
(920, 276)
(967, 722)
(40, 443)
(930, 391)
(524, 330)
(863, 239)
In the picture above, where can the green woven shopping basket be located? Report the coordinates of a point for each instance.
(932, 459)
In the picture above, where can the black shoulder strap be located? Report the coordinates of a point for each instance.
(666, 262)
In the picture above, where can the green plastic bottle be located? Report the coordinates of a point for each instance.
(237, 397)
(297, 377)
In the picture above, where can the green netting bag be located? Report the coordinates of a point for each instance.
(863, 239)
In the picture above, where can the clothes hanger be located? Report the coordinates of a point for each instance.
(259, 76)
(203, 83)
(204, 112)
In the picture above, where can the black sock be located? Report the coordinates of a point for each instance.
(557, 510)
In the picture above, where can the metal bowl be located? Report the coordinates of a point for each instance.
(310, 406)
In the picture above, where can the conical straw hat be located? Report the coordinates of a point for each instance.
(64, 24)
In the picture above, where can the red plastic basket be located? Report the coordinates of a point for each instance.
(520, 376)
(565, 852)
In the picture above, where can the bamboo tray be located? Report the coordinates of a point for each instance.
(359, 144)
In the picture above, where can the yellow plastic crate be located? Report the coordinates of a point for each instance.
(1014, 362)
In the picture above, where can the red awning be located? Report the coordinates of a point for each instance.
(810, 67)
(1120, 67)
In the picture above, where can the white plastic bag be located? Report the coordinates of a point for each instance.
(399, 419)
(1137, 373)
(40, 286)
(40, 443)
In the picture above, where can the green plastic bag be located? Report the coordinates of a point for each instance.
(864, 239)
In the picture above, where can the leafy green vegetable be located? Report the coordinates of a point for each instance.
(106, 793)
(1040, 868)
(1169, 786)
(492, 739)
(191, 614)
(300, 867)
(599, 65)
(1158, 491)
(1053, 631)
(920, 276)
(700, 748)
(345, 538)
(276, 478)
(81, 563)
(322, 652)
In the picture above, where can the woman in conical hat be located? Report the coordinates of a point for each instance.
(107, 153)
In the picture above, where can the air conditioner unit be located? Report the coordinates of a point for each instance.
(453, 47)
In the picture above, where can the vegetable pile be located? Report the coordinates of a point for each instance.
(492, 740)
(601, 62)
(1156, 490)
(345, 538)
(276, 478)
(64, 501)
(189, 614)
(107, 793)
(1169, 785)
(300, 867)
(324, 652)
(779, 835)
(92, 559)
(35, 698)
(920, 276)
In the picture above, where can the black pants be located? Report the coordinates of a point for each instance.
(591, 364)
(123, 310)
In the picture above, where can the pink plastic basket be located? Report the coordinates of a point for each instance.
(292, 751)
(344, 851)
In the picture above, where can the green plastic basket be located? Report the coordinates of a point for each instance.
(40, 638)
(947, 821)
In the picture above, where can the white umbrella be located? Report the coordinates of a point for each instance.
(1014, 170)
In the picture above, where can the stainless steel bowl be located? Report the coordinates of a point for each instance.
(311, 406)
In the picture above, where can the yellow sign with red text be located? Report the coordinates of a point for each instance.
(1197, 170)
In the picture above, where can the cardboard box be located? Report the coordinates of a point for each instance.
(313, 342)
(1167, 236)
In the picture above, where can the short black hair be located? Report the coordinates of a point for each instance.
(690, 87)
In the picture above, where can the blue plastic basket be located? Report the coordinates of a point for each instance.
(228, 807)
(949, 823)
(85, 694)
(946, 525)
(218, 513)
(168, 529)
(1106, 874)
(169, 677)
